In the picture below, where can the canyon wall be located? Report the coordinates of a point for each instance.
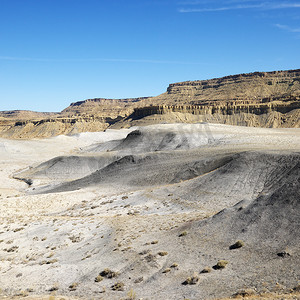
(264, 99)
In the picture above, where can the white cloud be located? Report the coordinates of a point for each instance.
(224, 8)
(285, 5)
(262, 6)
(288, 28)
(221, 2)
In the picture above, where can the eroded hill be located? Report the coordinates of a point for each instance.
(172, 211)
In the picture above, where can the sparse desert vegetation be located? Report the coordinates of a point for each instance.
(118, 286)
(206, 270)
(221, 264)
(98, 278)
(237, 245)
(108, 273)
(184, 220)
(191, 280)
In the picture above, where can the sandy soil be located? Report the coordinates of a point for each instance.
(143, 203)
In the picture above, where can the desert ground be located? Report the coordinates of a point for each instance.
(169, 211)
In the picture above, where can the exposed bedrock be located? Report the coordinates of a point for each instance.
(245, 99)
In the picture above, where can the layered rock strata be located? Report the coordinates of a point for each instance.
(264, 99)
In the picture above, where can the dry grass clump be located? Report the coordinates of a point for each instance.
(131, 295)
(98, 278)
(184, 233)
(18, 229)
(144, 252)
(22, 294)
(167, 270)
(73, 286)
(221, 264)
(108, 273)
(12, 249)
(50, 255)
(118, 286)
(191, 280)
(139, 280)
(53, 289)
(244, 293)
(48, 262)
(236, 245)
(206, 270)
(150, 257)
(75, 239)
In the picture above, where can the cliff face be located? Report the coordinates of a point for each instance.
(251, 86)
(256, 99)
(48, 127)
(265, 99)
(105, 107)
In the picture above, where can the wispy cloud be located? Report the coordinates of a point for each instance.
(288, 28)
(87, 60)
(222, 8)
(220, 2)
(262, 6)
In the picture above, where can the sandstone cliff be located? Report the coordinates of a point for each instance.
(263, 99)
(105, 107)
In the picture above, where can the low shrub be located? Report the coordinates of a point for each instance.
(119, 286)
(236, 245)
(221, 264)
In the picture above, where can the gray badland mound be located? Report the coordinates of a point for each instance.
(223, 177)
(152, 169)
(273, 218)
(143, 139)
(67, 167)
(267, 257)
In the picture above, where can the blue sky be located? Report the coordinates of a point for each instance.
(54, 52)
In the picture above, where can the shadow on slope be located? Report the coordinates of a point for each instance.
(272, 219)
(224, 177)
(243, 178)
(268, 226)
(146, 170)
(164, 138)
(66, 167)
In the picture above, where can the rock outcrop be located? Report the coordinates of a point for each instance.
(48, 127)
(105, 107)
(263, 99)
